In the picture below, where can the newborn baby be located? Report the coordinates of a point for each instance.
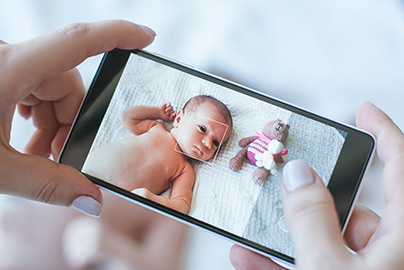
(158, 159)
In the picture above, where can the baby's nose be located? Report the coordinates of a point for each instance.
(207, 142)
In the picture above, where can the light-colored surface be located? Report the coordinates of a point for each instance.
(326, 56)
(223, 198)
(216, 200)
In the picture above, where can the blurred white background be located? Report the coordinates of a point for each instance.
(325, 56)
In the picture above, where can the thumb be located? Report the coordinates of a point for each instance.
(43, 180)
(311, 217)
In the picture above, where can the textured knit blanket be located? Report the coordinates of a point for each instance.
(223, 198)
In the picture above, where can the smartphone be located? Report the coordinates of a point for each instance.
(134, 137)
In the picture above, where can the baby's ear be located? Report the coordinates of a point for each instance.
(178, 118)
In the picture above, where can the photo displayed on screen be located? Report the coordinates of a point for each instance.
(206, 151)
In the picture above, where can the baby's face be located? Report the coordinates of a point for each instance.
(200, 133)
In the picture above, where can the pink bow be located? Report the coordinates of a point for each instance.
(278, 156)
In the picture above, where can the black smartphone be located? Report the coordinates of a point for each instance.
(207, 151)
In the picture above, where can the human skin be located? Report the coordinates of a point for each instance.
(200, 133)
(158, 159)
(198, 136)
(310, 212)
(38, 77)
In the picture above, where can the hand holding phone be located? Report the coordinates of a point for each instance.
(183, 168)
(366, 233)
(40, 80)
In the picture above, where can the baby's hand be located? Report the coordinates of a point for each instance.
(167, 113)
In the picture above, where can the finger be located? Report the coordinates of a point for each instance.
(169, 110)
(59, 141)
(361, 227)
(244, 259)
(63, 94)
(67, 100)
(390, 149)
(311, 216)
(43, 180)
(67, 91)
(24, 110)
(43, 115)
(65, 48)
(390, 139)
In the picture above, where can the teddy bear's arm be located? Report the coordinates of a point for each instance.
(247, 140)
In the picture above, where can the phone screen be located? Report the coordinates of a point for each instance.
(228, 149)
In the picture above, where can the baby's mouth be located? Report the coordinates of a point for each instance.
(199, 151)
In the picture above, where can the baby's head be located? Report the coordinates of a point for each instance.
(202, 126)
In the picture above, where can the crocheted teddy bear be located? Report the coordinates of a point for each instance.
(265, 150)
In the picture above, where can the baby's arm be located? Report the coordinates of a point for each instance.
(181, 192)
(140, 119)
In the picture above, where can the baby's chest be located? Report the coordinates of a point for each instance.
(156, 153)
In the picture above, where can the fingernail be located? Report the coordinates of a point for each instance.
(148, 30)
(87, 205)
(297, 174)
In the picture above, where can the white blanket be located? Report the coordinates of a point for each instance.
(223, 198)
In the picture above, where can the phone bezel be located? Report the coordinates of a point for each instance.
(344, 184)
